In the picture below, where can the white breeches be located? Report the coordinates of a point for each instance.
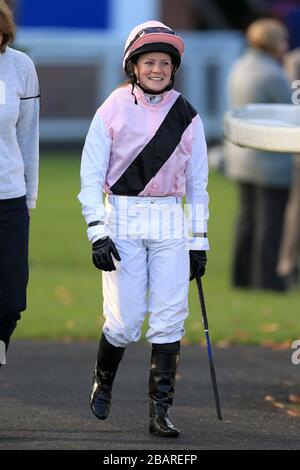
(153, 274)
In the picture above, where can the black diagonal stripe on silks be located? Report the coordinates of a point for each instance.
(149, 161)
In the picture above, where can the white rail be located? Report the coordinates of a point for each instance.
(79, 69)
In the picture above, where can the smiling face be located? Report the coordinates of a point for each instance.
(153, 70)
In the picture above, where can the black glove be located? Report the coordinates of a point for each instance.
(103, 250)
(198, 261)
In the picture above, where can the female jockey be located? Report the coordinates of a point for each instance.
(146, 150)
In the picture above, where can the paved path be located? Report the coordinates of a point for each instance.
(45, 386)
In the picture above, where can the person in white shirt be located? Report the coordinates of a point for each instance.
(19, 158)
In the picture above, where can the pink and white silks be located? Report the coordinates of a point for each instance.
(147, 226)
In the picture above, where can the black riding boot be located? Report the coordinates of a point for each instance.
(164, 362)
(108, 360)
(8, 323)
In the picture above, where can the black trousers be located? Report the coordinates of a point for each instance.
(258, 237)
(14, 234)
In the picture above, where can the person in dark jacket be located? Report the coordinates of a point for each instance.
(264, 178)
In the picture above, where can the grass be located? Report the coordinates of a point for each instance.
(64, 294)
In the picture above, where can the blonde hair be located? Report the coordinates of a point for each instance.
(266, 34)
(7, 25)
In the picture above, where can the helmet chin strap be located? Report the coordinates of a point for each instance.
(153, 92)
(132, 92)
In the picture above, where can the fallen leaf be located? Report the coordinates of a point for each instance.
(185, 341)
(67, 339)
(267, 343)
(284, 346)
(64, 295)
(70, 324)
(196, 326)
(270, 327)
(223, 343)
(293, 398)
(278, 404)
(295, 413)
(269, 398)
(241, 335)
(266, 312)
(291, 410)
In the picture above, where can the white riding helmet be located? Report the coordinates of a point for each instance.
(152, 36)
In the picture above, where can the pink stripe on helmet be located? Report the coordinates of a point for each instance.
(149, 38)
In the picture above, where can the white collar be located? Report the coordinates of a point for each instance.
(153, 99)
